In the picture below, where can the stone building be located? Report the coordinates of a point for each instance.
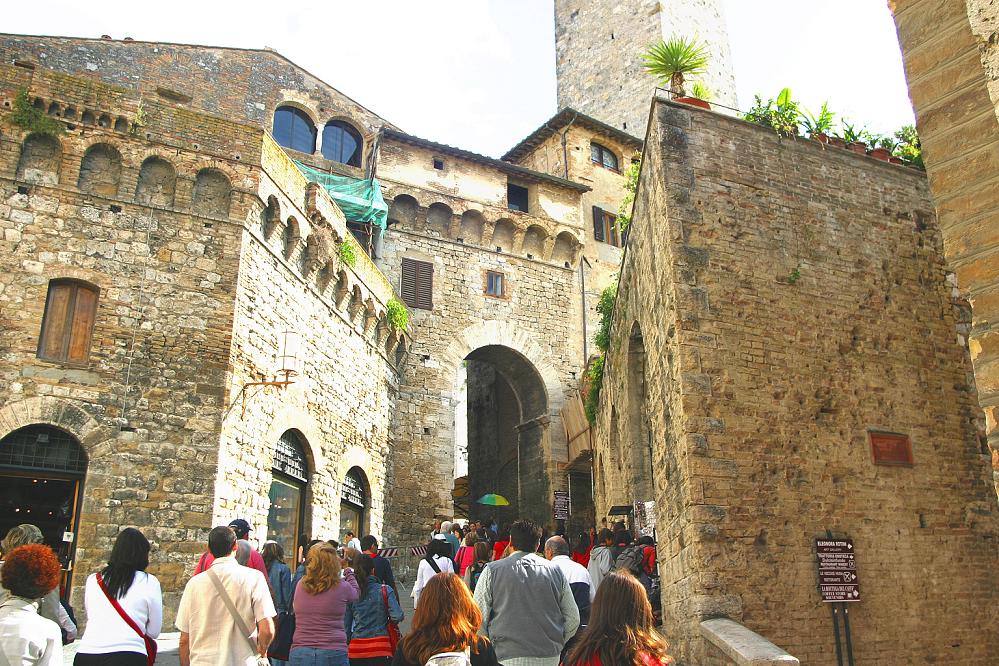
(598, 49)
(950, 57)
(785, 339)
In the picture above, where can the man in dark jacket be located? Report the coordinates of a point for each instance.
(383, 568)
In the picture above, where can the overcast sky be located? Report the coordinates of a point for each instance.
(480, 74)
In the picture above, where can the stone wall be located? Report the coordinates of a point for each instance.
(598, 48)
(951, 59)
(790, 300)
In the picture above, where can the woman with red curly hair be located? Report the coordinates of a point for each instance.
(26, 638)
(444, 626)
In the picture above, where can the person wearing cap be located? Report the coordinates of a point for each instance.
(254, 559)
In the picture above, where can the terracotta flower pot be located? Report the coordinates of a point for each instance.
(821, 137)
(836, 141)
(896, 160)
(693, 101)
(882, 154)
(858, 147)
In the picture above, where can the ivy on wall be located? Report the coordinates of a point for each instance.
(595, 373)
(32, 119)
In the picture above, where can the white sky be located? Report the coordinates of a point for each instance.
(480, 74)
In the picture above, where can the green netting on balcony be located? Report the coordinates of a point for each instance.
(359, 199)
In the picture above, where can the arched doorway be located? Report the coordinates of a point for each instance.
(355, 500)
(289, 481)
(42, 469)
(505, 428)
(637, 439)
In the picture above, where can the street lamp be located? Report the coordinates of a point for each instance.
(288, 364)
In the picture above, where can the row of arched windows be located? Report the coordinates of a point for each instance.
(100, 173)
(294, 129)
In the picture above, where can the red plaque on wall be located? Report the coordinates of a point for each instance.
(891, 449)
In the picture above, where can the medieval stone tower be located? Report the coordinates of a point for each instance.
(598, 47)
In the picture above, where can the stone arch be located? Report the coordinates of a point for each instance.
(472, 227)
(53, 109)
(270, 216)
(292, 237)
(356, 459)
(341, 290)
(534, 241)
(503, 235)
(157, 182)
(121, 124)
(637, 437)
(565, 249)
(100, 170)
(402, 211)
(41, 157)
(290, 416)
(88, 117)
(56, 412)
(212, 193)
(439, 219)
(104, 121)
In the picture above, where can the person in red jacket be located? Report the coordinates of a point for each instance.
(581, 553)
(501, 544)
(621, 628)
(254, 559)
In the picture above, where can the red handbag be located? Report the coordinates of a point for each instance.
(393, 628)
(151, 645)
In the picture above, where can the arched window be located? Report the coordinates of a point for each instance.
(353, 502)
(289, 477)
(68, 322)
(342, 143)
(603, 156)
(294, 129)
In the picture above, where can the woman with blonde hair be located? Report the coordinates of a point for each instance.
(320, 602)
(445, 627)
(622, 630)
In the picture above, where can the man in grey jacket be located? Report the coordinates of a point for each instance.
(528, 611)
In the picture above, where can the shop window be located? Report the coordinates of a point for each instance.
(516, 197)
(605, 228)
(342, 143)
(293, 129)
(603, 156)
(418, 283)
(495, 284)
(68, 322)
(353, 503)
(289, 479)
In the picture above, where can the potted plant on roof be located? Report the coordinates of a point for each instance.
(818, 126)
(781, 115)
(672, 60)
(700, 95)
(854, 138)
(881, 146)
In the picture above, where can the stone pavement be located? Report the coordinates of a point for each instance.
(167, 655)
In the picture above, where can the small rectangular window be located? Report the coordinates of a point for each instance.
(417, 284)
(438, 164)
(516, 197)
(494, 284)
(68, 322)
(605, 228)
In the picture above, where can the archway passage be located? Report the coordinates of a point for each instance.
(507, 423)
(41, 479)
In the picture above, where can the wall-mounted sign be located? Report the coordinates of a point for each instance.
(838, 580)
(891, 449)
(561, 505)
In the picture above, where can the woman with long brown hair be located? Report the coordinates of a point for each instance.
(444, 626)
(621, 631)
(320, 602)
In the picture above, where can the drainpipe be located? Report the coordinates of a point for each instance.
(582, 282)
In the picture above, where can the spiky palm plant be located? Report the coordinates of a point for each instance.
(672, 60)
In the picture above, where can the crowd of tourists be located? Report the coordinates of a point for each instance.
(483, 596)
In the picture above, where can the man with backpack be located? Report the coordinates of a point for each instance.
(528, 611)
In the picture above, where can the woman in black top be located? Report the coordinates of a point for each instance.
(445, 621)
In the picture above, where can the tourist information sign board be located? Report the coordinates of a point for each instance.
(838, 579)
(561, 505)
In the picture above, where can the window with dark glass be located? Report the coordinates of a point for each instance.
(516, 197)
(603, 156)
(418, 283)
(294, 129)
(605, 228)
(353, 503)
(342, 143)
(289, 478)
(68, 322)
(494, 284)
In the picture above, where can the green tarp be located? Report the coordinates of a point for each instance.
(360, 200)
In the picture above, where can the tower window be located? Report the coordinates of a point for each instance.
(294, 129)
(68, 322)
(495, 284)
(516, 197)
(603, 156)
(438, 164)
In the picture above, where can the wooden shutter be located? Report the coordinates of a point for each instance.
(418, 284)
(68, 323)
(598, 223)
